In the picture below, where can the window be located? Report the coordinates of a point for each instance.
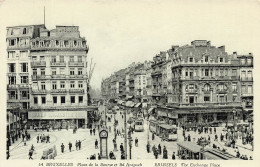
(54, 99)
(206, 98)
(206, 72)
(12, 95)
(71, 71)
(243, 61)
(42, 58)
(54, 85)
(206, 59)
(80, 99)
(62, 99)
(249, 61)
(43, 85)
(72, 84)
(71, 58)
(80, 59)
(221, 72)
(72, 99)
(53, 71)
(80, 84)
(234, 87)
(42, 71)
(62, 84)
(249, 89)
(234, 98)
(53, 59)
(62, 71)
(25, 94)
(24, 79)
(35, 100)
(243, 89)
(11, 67)
(217, 72)
(34, 71)
(186, 74)
(207, 87)
(12, 80)
(12, 42)
(191, 59)
(24, 31)
(11, 54)
(234, 72)
(24, 67)
(62, 59)
(249, 74)
(221, 99)
(79, 71)
(221, 87)
(221, 59)
(23, 54)
(243, 74)
(43, 100)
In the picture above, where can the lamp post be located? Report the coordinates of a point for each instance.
(234, 119)
(125, 134)
(130, 146)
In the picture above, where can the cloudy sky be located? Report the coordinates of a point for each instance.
(121, 32)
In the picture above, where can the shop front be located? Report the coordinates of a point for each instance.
(56, 119)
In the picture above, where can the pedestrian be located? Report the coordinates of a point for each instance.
(159, 149)
(156, 153)
(90, 131)
(96, 144)
(48, 139)
(70, 146)
(215, 130)
(189, 138)
(165, 154)
(216, 137)
(99, 157)
(94, 131)
(153, 136)
(136, 142)
(32, 147)
(121, 147)
(79, 144)
(62, 148)
(173, 156)
(30, 154)
(38, 137)
(8, 154)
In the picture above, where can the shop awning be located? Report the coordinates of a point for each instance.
(138, 105)
(193, 147)
(144, 105)
(150, 110)
(166, 126)
(129, 104)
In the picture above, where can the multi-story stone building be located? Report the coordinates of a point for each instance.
(205, 83)
(50, 69)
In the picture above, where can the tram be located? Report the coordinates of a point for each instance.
(139, 125)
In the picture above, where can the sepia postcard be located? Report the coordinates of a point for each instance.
(141, 83)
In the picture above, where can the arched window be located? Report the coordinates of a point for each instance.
(206, 87)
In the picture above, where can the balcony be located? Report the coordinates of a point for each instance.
(247, 94)
(24, 74)
(246, 78)
(24, 86)
(37, 77)
(76, 91)
(39, 91)
(13, 86)
(58, 64)
(11, 74)
(191, 90)
(77, 64)
(18, 47)
(208, 104)
(58, 91)
(60, 76)
(75, 76)
(38, 64)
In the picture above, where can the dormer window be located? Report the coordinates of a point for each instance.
(57, 43)
(191, 59)
(221, 59)
(24, 31)
(243, 61)
(206, 59)
(75, 43)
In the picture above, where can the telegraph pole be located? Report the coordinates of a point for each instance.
(125, 134)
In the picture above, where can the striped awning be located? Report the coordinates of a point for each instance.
(138, 105)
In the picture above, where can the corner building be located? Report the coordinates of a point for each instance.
(59, 78)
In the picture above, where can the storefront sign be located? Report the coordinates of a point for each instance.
(58, 115)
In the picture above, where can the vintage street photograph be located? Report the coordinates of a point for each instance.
(129, 80)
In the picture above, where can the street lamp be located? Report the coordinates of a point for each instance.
(130, 146)
(234, 124)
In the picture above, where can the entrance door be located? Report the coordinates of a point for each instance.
(191, 99)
